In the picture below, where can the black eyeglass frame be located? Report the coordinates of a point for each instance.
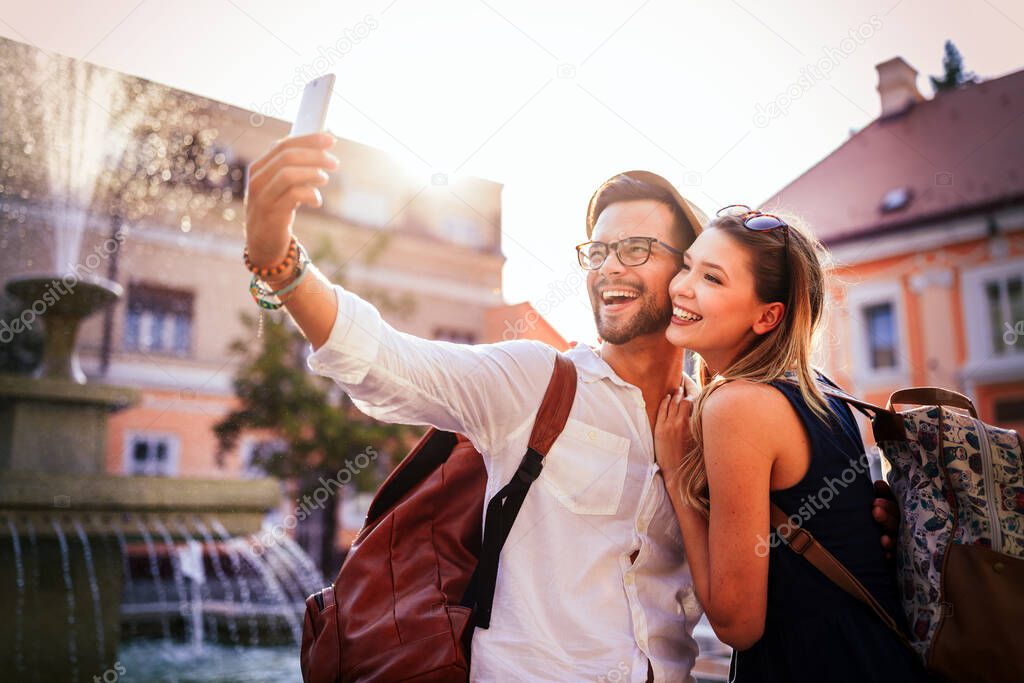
(614, 247)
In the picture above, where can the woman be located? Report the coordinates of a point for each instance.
(748, 300)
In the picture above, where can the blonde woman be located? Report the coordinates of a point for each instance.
(748, 300)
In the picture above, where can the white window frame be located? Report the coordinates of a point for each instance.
(983, 364)
(245, 467)
(861, 296)
(173, 451)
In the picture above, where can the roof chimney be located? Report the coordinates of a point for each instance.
(897, 86)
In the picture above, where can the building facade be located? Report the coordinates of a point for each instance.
(923, 212)
(426, 249)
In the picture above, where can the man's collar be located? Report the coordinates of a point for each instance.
(592, 367)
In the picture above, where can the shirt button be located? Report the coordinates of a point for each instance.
(592, 435)
(629, 579)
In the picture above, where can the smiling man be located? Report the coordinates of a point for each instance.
(592, 583)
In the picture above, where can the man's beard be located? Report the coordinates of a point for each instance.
(650, 319)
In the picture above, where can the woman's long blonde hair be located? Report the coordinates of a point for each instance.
(795, 276)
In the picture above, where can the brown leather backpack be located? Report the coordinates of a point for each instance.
(418, 578)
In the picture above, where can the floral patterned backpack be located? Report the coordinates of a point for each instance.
(960, 554)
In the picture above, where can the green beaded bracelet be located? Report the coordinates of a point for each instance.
(259, 292)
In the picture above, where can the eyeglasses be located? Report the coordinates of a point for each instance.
(632, 251)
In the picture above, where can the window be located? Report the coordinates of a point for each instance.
(158, 320)
(993, 306)
(257, 451)
(877, 334)
(1009, 410)
(364, 206)
(462, 230)
(881, 335)
(1005, 306)
(151, 455)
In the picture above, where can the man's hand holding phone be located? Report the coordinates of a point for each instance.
(280, 181)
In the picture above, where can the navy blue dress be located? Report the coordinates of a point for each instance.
(815, 631)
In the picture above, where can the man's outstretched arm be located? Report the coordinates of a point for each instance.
(485, 392)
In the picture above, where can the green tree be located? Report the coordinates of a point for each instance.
(953, 66)
(320, 429)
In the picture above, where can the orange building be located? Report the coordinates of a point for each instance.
(923, 211)
(520, 321)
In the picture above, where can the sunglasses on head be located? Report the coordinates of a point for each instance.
(752, 218)
(757, 221)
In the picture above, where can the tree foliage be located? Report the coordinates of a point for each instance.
(954, 75)
(320, 429)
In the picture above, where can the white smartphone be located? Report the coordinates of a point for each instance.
(313, 109)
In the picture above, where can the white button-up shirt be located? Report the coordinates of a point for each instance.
(569, 603)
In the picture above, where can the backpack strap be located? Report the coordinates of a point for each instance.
(504, 506)
(801, 542)
(886, 423)
(833, 389)
(932, 396)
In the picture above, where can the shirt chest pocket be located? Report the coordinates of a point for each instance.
(586, 469)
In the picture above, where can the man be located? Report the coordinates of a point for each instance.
(592, 582)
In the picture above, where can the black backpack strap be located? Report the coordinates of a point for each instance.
(886, 423)
(432, 451)
(504, 506)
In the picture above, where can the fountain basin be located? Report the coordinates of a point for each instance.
(67, 543)
(101, 502)
(62, 301)
(57, 425)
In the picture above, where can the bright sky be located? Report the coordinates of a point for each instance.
(551, 98)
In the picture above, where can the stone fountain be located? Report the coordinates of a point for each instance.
(65, 557)
(88, 558)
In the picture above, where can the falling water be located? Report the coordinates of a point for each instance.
(242, 581)
(126, 571)
(33, 559)
(65, 562)
(94, 586)
(19, 569)
(286, 570)
(275, 589)
(185, 608)
(154, 570)
(190, 557)
(218, 570)
(314, 581)
(82, 132)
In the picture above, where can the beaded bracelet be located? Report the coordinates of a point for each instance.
(264, 273)
(261, 294)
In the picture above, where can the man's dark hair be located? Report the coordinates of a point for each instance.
(624, 188)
